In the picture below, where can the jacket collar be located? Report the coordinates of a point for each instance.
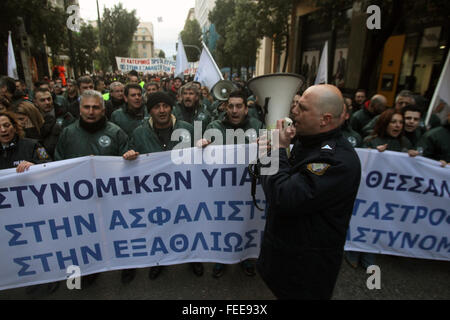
(227, 122)
(318, 139)
(173, 119)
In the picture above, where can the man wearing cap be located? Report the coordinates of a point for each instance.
(133, 112)
(154, 135)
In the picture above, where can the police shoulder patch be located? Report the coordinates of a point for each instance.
(318, 169)
(42, 153)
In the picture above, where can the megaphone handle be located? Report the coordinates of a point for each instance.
(255, 176)
(266, 106)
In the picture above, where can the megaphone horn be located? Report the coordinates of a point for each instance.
(276, 91)
(222, 89)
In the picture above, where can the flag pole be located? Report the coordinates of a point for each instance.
(436, 91)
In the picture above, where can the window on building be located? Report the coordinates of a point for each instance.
(143, 46)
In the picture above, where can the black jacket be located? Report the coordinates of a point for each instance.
(51, 130)
(22, 149)
(310, 202)
(112, 105)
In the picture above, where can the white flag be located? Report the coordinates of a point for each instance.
(322, 72)
(182, 61)
(442, 92)
(208, 74)
(12, 67)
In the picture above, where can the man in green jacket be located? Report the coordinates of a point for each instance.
(351, 135)
(436, 143)
(133, 112)
(154, 135)
(370, 110)
(93, 134)
(190, 109)
(236, 118)
(412, 131)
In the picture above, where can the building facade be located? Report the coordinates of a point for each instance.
(406, 53)
(202, 10)
(143, 41)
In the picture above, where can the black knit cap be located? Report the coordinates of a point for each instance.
(157, 97)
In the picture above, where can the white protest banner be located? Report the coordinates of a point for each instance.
(150, 65)
(105, 213)
(402, 207)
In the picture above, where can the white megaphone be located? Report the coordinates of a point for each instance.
(275, 93)
(222, 89)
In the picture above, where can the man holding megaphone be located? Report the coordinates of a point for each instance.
(310, 199)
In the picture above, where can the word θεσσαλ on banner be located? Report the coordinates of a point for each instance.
(402, 207)
(146, 65)
(105, 213)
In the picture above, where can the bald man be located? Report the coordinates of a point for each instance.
(310, 200)
(365, 115)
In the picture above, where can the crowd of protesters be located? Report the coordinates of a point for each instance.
(137, 114)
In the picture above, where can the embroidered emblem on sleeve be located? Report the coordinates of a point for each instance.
(42, 154)
(318, 169)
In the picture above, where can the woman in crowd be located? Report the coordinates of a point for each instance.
(388, 133)
(30, 119)
(206, 94)
(16, 151)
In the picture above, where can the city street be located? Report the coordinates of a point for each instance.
(401, 279)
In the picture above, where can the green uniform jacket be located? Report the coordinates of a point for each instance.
(75, 142)
(248, 123)
(127, 121)
(213, 106)
(200, 114)
(436, 143)
(360, 119)
(352, 136)
(145, 140)
(51, 130)
(414, 137)
(394, 144)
